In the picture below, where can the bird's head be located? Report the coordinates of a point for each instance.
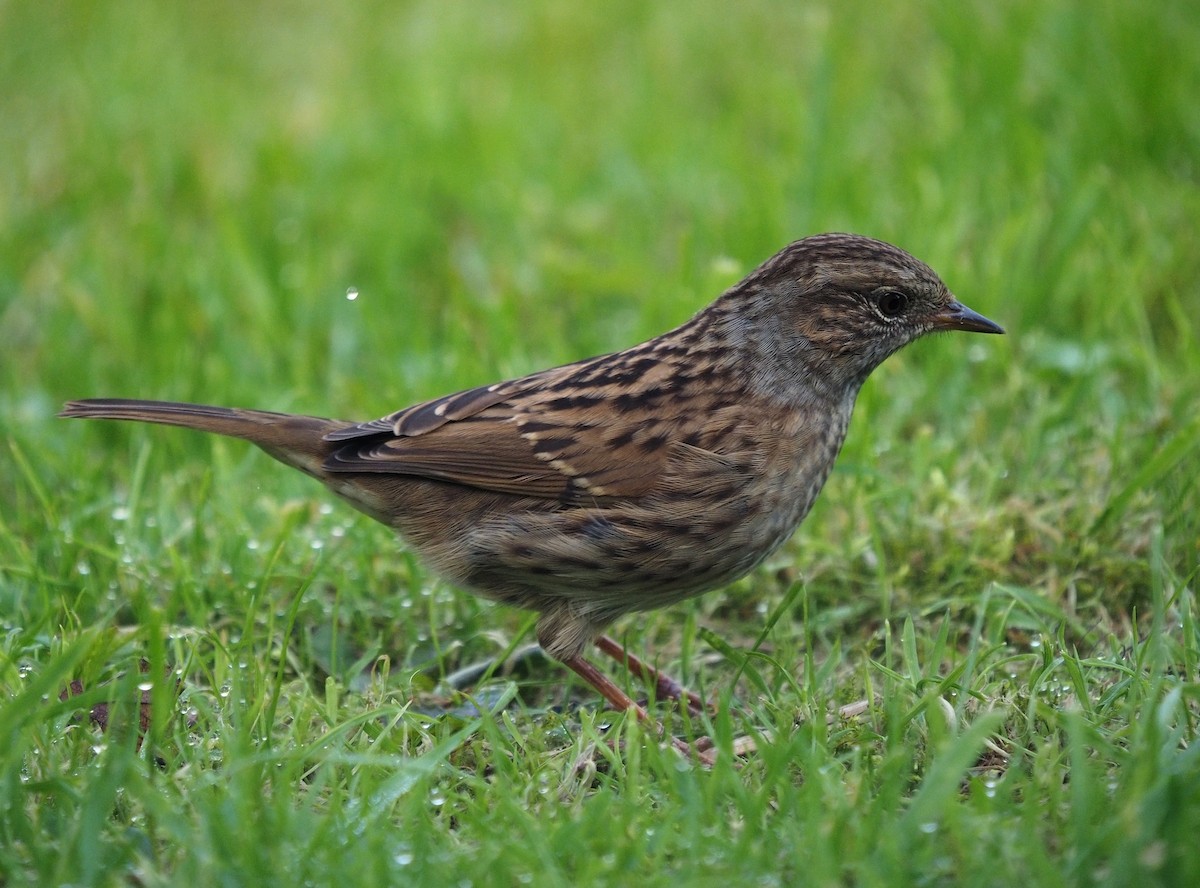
(835, 306)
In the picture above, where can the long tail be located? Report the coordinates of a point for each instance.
(293, 439)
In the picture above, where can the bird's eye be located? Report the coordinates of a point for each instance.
(892, 303)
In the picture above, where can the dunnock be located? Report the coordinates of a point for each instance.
(631, 480)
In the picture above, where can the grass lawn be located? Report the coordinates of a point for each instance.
(1004, 562)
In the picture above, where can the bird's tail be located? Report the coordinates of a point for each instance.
(293, 439)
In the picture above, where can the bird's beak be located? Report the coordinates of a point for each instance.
(958, 317)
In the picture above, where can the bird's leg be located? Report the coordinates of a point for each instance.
(602, 683)
(665, 687)
(622, 701)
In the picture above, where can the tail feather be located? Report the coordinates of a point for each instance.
(293, 439)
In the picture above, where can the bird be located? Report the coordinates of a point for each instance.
(631, 480)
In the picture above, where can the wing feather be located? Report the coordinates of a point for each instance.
(604, 428)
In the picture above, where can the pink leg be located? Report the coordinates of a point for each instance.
(665, 687)
(620, 700)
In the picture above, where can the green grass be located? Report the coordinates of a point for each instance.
(1005, 560)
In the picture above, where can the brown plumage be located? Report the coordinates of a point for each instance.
(631, 480)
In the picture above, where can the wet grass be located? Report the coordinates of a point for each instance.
(1004, 561)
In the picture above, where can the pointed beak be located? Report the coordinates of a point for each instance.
(958, 317)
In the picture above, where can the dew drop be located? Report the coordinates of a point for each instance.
(351, 293)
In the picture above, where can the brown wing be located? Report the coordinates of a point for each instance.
(482, 451)
(429, 415)
(600, 428)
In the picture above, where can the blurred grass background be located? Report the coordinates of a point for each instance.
(188, 193)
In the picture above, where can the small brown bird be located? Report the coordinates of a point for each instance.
(631, 480)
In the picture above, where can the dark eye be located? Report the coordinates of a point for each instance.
(892, 303)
